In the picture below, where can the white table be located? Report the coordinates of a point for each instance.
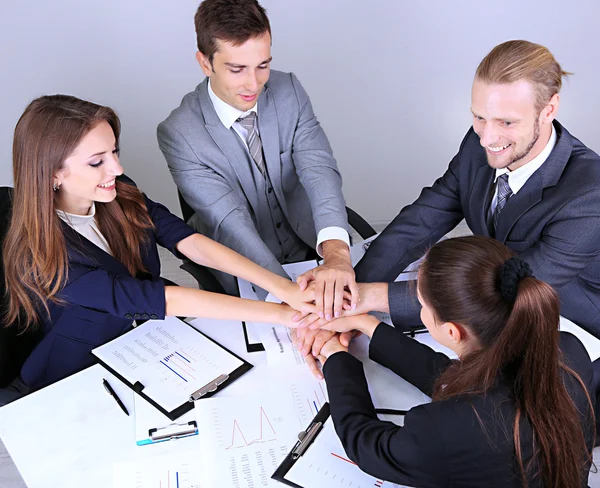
(71, 433)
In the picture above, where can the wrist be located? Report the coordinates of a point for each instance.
(374, 297)
(368, 325)
(336, 250)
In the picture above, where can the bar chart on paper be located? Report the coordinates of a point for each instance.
(245, 439)
(156, 473)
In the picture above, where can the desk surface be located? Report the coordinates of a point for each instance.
(72, 433)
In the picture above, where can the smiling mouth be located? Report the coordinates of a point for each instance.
(497, 149)
(107, 186)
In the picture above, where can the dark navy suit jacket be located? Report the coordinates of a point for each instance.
(101, 299)
(553, 223)
(442, 444)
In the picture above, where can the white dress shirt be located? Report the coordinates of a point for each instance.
(86, 226)
(518, 177)
(228, 116)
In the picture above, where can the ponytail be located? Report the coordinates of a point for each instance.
(514, 317)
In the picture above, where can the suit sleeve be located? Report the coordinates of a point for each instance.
(316, 167)
(415, 362)
(401, 455)
(418, 225)
(119, 295)
(570, 241)
(224, 216)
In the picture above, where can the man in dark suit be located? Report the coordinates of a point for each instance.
(249, 156)
(519, 176)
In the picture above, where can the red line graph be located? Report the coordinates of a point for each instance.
(343, 458)
(258, 439)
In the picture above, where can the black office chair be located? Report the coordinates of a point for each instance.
(15, 347)
(207, 281)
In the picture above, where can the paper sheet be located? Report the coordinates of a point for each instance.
(169, 358)
(296, 269)
(242, 441)
(326, 464)
(160, 472)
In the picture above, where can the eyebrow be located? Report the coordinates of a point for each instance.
(234, 65)
(97, 154)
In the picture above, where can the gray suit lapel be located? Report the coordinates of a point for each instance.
(229, 143)
(269, 135)
(531, 193)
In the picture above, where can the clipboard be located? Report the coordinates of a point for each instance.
(152, 426)
(328, 466)
(248, 291)
(305, 440)
(205, 390)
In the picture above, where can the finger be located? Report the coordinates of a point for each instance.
(322, 337)
(338, 299)
(304, 279)
(319, 290)
(346, 337)
(309, 338)
(355, 292)
(298, 316)
(328, 293)
(320, 324)
(313, 367)
(309, 321)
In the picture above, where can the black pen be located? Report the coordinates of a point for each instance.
(112, 393)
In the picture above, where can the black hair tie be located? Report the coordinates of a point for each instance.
(511, 272)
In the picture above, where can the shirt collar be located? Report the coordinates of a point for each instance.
(518, 177)
(227, 114)
(78, 219)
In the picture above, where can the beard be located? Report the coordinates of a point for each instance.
(534, 139)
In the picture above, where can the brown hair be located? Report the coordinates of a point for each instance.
(234, 21)
(35, 252)
(460, 280)
(512, 61)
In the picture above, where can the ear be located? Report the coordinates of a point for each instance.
(204, 63)
(549, 112)
(456, 333)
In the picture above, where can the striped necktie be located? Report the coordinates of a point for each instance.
(504, 193)
(253, 140)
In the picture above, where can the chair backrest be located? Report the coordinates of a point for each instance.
(186, 210)
(14, 347)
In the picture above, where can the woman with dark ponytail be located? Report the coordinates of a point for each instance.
(513, 411)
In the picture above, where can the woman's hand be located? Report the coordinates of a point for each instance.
(288, 314)
(363, 323)
(332, 346)
(301, 300)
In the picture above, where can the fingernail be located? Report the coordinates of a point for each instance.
(337, 315)
(321, 314)
(304, 352)
(328, 316)
(320, 376)
(354, 306)
(315, 354)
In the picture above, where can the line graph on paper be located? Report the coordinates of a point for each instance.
(266, 433)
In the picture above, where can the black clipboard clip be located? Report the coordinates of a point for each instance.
(209, 387)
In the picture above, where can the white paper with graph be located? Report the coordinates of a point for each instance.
(169, 357)
(158, 472)
(325, 464)
(243, 440)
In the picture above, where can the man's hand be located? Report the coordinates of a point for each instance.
(310, 343)
(331, 279)
(332, 346)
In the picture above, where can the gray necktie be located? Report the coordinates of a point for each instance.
(253, 140)
(504, 193)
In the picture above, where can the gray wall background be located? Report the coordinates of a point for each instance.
(402, 68)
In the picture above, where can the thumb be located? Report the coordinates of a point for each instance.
(346, 337)
(304, 279)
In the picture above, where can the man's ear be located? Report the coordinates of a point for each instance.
(550, 111)
(204, 63)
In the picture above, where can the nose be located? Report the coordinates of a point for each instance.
(115, 167)
(488, 134)
(251, 84)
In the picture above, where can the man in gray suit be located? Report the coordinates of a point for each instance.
(249, 156)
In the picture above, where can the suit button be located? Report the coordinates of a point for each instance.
(128, 316)
(137, 316)
(270, 190)
(153, 316)
(145, 316)
(278, 225)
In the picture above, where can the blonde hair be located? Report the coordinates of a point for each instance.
(513, 61)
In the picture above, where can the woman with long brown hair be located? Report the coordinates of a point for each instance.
(80, 254)
(512, 411)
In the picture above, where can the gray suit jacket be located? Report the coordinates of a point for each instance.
(553, 223)
(210, 168)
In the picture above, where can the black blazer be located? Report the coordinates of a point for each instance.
(442, 443)
(101, 299)
(553, 223)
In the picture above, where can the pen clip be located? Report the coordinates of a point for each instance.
(209, 387)
(173, 431)
(305, 439)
